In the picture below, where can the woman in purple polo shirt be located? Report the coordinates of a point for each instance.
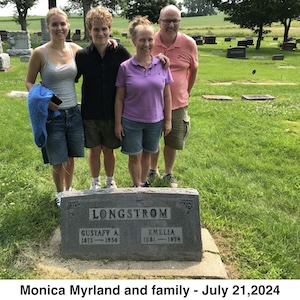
(143, 102)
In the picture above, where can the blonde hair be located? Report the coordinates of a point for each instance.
(137, 23)
(55, 11)
(100, 14)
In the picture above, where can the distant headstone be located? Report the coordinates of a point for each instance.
(275, 38)
(210, 39)
(258, 97)
(196, 36)
(4, 61)
(3, 34)
(24, 58)
(289, 46)
(297, 41)
(4, 58)
(124, 34)
(199, 42)
(227, 39)
(35, 38)
(217, 97)
(278, 57)
(236, 52)
(18, 94)
(243, 43)
(150, 224)
(77, 35)
(249, 40)
(45, 32)
(19, 43)
(1, 48)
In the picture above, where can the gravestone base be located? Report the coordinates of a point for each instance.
(25, 58)
(17, 52)
(137, 224)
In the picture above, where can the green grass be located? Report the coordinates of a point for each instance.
(242, 157)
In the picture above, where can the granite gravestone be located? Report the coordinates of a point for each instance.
(236, 52)
(137, 224)
(45, 32)
(19, 43)
(4, 58)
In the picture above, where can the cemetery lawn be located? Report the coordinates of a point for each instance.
(242, 157)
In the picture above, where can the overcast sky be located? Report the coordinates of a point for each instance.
(40, 9)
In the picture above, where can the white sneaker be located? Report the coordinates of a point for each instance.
(69, 190)
(111, 185)
(95, 185)
(58, 199)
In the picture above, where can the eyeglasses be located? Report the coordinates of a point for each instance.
(168, 21)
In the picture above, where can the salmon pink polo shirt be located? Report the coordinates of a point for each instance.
(183, 54)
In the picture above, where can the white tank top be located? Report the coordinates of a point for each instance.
(61, 80)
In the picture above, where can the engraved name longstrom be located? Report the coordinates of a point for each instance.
(130, 213)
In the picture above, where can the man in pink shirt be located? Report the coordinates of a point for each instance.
(183, 54)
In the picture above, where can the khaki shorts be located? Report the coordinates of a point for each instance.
(100, 132)
(180, 129)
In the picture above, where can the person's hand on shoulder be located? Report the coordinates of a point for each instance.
(165, 60)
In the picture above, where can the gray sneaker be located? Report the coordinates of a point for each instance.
(171, 180)
(95, 185)
(111, 184)
(151, 175)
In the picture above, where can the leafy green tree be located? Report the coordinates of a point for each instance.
(132, 8)
(252, 14)
(287, 11)
(22, 7)
(198, 7)
(83, 6)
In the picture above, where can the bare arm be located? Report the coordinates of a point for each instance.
(192, 79)
(35, 65)
(75, 48)
(119, 103)
(167, 110)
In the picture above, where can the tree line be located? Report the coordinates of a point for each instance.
(251, 14)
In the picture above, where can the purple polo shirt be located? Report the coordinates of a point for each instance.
(144, 98)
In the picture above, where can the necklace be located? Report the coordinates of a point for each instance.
(60, 53)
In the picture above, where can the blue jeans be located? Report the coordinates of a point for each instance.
(65, 137)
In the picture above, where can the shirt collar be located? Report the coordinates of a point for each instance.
(176, 44)
(153, 63)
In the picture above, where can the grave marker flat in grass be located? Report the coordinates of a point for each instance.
(217, 97)
(258, 97)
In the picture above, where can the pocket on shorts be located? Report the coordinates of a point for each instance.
(187, 124)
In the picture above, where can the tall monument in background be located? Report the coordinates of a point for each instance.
(51, 3)
(45, 33)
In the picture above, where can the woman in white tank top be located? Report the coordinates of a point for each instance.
(55, 63)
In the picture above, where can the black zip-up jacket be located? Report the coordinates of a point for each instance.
(99, 76)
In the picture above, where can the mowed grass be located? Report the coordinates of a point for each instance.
(241, 156)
